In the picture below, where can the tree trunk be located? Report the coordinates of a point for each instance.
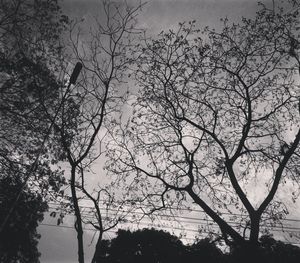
(225, 228)
(96, 257)
(249, 251)
(254, 229)
(78, 224)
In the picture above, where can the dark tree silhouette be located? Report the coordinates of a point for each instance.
(147, 245)
(152, 246)
(204, 250)
(269, 251)
(19, 239)
(29, 80)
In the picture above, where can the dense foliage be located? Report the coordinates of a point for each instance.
(30, 64)
(29, 56)
(19, 239)
(152, 246)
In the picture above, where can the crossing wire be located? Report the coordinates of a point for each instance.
(186, 219)
(161, 227)
(189, 210)
(210, 223)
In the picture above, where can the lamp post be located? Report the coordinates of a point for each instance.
(33, 166)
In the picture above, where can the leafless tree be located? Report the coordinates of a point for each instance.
(217, 112)
(95, 100)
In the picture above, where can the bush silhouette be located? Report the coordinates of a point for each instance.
(153, 246)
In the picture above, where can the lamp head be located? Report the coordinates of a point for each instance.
(75, 73)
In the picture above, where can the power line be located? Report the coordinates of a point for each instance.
(189, 210)
(162, 227)
(195, 221)
(203, 228)
(202, 223)
(211, 223)
(94, 230)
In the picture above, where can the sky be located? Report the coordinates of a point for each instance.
(58, 245)
(157, 15)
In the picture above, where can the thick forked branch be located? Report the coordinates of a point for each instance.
(278, 174)
(229, 166)
(225, 227)
(239, 191)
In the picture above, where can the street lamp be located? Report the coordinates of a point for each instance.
(75, 73)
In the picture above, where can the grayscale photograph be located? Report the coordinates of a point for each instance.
(159, 131)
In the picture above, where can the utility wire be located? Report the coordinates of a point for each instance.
(184, 217)
(162, 227)
(194, 221)
(181, 209)
(205, 222)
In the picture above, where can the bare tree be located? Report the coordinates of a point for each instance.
(217, 111)
(107, 211)
(94, 101)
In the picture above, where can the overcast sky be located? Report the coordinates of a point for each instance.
(59, 244)
(157, 15)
